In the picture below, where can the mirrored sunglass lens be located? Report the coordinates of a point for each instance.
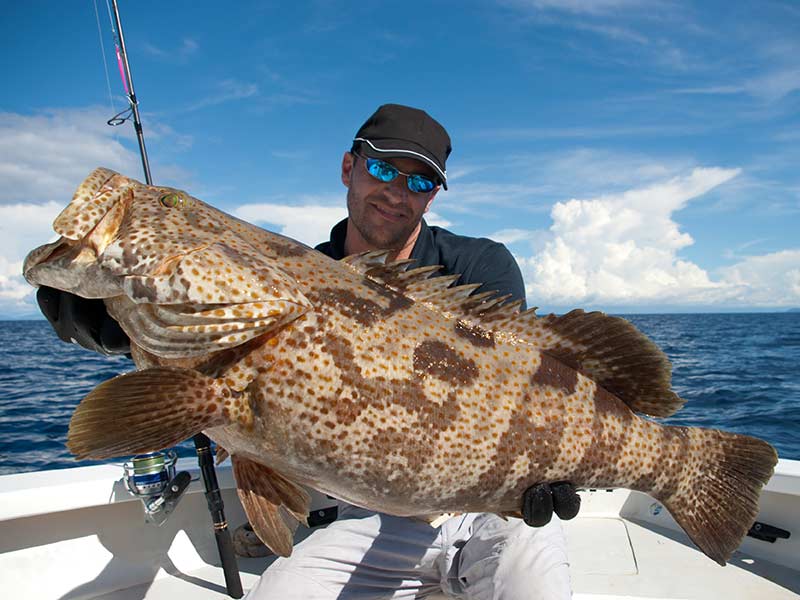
(381, 170)
(420, 184)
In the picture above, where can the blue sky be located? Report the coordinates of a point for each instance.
(634, 155)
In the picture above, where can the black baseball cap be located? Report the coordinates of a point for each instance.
(401, 131)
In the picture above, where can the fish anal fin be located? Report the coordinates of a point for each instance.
(145, 411)
(273, 504)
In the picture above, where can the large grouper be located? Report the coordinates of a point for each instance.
(374, 382)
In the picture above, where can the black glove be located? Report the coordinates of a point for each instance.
(82, 321)
(541, 500)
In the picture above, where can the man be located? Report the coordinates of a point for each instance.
(393, 172)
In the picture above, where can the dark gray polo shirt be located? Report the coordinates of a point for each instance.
(477, 260)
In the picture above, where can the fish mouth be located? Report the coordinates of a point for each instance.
(70, 267)
(75, 265)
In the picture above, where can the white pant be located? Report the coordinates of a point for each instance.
(366, 555)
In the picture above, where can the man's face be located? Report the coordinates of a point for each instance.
(385, 214)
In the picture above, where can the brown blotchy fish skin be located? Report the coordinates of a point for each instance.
(371, 382)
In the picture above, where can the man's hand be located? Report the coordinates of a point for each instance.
(541, 500)
(82, 321)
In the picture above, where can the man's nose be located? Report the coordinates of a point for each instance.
(397, 190)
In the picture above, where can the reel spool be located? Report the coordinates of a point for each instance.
(152, 478)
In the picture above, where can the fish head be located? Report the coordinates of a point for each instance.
(165, 262)
(85, 227)
(116, 228)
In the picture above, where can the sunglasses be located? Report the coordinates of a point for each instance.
(383, 171)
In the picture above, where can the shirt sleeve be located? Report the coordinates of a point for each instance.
(496, 269)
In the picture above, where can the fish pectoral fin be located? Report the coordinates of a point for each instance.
(182, 331)
(147, 410)
(274, 504)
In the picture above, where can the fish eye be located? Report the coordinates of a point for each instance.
(174, 200)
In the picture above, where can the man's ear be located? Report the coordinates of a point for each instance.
(348, 160)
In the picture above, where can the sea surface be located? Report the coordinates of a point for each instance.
(739, 372)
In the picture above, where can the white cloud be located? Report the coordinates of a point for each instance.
(434, 218)
(227, 90)
(472, 197)
(766, 280)
(775, 85)
(512, 236)
(45, 156)
(23, 227)
(575, 172)
(177, 54)
(587, 132)
(769, 87)
(619, 250)
(310, 223)
(623, 248)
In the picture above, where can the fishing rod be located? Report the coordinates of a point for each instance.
(202, 444)
(127, 83)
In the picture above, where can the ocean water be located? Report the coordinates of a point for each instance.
(739, 372)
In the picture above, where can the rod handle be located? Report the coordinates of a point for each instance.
(229, 567)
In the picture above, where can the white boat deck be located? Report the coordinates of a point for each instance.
(77, 533)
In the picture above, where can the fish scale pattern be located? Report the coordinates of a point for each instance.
(377, 383)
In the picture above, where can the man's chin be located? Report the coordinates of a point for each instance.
(385, 244)
(378, 236)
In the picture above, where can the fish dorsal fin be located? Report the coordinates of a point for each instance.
(396, 274)
(610, 350)
(274, 505)
(421, 285)
(374, 264)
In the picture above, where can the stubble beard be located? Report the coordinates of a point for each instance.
(382, 239)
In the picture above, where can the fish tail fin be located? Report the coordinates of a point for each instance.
(147, 410)
(716, 498)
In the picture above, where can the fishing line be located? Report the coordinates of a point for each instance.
(123, 115)
(103, 54)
